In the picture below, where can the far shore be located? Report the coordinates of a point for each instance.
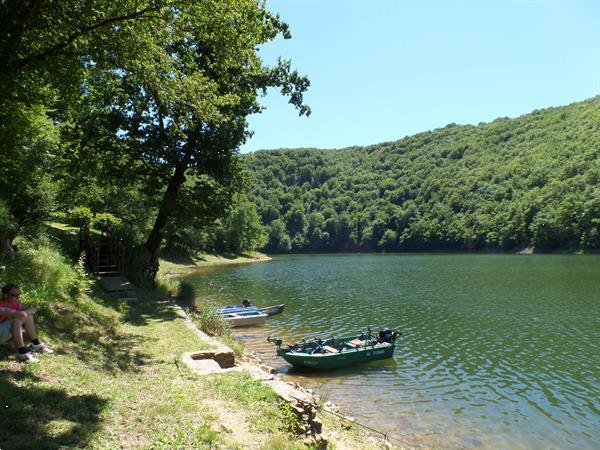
(177, 266)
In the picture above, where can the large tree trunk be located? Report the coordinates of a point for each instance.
(166, 209)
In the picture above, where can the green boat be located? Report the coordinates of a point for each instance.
(338, 352)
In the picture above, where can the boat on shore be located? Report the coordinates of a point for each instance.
(338, 352)
(245, 318)
(269, 310)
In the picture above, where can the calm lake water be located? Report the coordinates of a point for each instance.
(497, 351)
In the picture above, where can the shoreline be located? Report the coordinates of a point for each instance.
(173, 266)
(314, 430)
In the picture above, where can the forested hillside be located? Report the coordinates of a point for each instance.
(533, 180)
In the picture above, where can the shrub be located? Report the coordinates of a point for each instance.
(187, 294)
(56, 288)
(106, 222)
(80, 214)
(209, 320)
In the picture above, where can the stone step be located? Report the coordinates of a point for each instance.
(116, 284)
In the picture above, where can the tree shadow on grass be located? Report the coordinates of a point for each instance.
(112, 352)
(181, 258)
(99, 342)
(142, 313)
(37, 416)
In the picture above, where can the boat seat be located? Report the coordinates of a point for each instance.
(355, 343)
(328, 349)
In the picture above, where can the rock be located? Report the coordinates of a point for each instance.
(317, 425)
(331, 407)
(224, 357)
(347, 424)
(319, 441)
(226, 428)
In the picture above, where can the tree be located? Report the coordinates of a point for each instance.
(188, 118)
(279, 241)
(158, 90)
(29, 143)
(242, 229)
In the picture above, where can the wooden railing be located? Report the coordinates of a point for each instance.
(105, 255)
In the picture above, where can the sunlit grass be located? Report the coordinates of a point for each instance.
(116, 379)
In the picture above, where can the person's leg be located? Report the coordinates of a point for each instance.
(5, 331)
(30, 327)
(17, 333)
(36, 345)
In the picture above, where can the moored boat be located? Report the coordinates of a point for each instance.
(245, 318)
(272, 310)
(269, 310)
(338, 352)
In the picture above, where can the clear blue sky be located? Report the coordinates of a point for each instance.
(384, 69)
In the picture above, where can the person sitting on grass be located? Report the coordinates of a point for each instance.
(13, 318)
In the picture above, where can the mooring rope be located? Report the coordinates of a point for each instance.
(386, 436)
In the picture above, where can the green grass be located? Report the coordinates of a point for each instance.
(116, 380)
(266, 412)
(106, 384)
(181, 265)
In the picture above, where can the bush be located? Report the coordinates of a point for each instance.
(106, 222)
(39, 267)
(209, 320)
(80, 215)
(48, 282)
(187, 294)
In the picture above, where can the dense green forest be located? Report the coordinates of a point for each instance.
(529, 181)
(131, 114)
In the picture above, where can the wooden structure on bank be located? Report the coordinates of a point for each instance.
(105, 258)
(105, 255)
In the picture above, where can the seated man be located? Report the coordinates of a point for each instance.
(13, 318)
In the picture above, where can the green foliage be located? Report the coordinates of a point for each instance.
(135, 108)
(241, 231)
(532, 180)
(79, 215)
(7, 226)
(186, 293)
(106, 222)
(234, 344)
(209, 320)
(29, 143)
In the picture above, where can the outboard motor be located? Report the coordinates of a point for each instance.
(387, 335)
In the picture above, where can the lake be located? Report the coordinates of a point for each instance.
(497, 351)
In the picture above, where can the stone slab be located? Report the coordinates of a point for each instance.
(116, 284)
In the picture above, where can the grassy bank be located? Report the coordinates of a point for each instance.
(172, 266)
(116, 381)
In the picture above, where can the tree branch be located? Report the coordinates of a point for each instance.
(56, 48)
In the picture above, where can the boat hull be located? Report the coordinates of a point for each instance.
(245, 319)
(272, 310)
(342, 359)
(269, 310)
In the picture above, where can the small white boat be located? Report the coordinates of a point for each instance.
(245, 318)
(269, 310)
